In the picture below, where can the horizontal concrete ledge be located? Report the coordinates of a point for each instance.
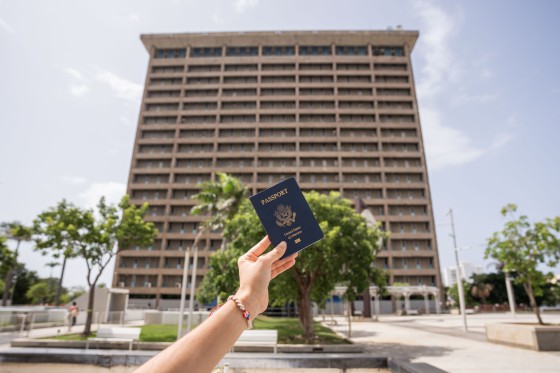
(235, 360)
(401, 366)
(531, 336)
(158, 346)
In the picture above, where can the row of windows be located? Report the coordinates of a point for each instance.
(209, 148)
(286, 147)
(303, 91)
(238, 105)
(304, 50)
(253, 79)
(282, 118)
(365, 177)
(416, 280)
(283, 132)
(279, 67)
(377, 210)
(397, 194)
(389, 162)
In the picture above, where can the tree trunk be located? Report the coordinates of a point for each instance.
(89, 318)
(59, 288)
(305, 314)
(7, 287)
(529, 289)
(367, 303)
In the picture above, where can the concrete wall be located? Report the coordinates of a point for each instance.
(169, 317)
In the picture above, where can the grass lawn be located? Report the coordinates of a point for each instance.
(289, 332)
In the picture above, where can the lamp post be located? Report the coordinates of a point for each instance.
(510, 294)
(459, 279)
(183, 293)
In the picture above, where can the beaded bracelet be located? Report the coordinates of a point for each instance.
(246, 314)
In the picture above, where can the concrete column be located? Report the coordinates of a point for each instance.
(407, 302)
(427, 303)
(377, 305)
(438, 308)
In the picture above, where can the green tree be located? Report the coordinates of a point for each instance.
(70, 231)
(38, 293)
(480, 289)
(219, 201)
(7, 256)
(114, 229)
(522, 247)
(24, 280)
(453, 293)
(57, 232)
(19, 233)
(344, 256)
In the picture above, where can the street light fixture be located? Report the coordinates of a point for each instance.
(459, 279)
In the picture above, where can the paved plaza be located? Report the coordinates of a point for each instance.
(439, 340)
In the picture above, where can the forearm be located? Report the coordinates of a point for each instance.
(201, 350)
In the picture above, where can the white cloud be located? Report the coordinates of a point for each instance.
(501, 140)
(112, 191)
(441, 66)
(74, 73)
(74, 179)
(122, 88)
(442, 82)
(79, 90)
(465, 98)
(134, 18)
(446, 146)
(7, 27)
(80, 86)
(241, 6)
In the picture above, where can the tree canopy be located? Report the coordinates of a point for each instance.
(96, 237)
(522, 246)
(344, 256)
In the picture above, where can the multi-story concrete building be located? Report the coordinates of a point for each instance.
(335, 109)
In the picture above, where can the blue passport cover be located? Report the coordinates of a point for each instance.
(286, 216)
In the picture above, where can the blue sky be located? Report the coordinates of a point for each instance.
(487, 77)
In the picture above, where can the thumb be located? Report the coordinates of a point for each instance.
(276, 253)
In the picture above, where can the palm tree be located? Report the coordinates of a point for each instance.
(481, 291)
(17, 232)
(219, 200)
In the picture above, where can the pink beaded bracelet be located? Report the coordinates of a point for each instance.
(246, 314)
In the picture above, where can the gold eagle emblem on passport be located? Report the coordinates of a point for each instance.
(284, 216)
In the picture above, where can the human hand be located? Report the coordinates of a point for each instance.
(256, 271)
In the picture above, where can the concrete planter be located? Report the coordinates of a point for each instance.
(531, 336)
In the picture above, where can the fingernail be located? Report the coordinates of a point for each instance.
(282, 245)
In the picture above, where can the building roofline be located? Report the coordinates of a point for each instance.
(181, 40)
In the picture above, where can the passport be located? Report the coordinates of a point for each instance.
(286, 216)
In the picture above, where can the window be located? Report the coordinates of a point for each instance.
(206, 52)
(388, 51)
(279, 51)
(350, 50)
(242, 51)
(315, 50)
(170, 53)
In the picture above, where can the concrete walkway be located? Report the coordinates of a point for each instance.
(439, 340)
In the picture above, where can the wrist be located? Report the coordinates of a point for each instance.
(246, 297)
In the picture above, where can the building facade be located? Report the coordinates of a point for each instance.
(335, 109)
(466, 271)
